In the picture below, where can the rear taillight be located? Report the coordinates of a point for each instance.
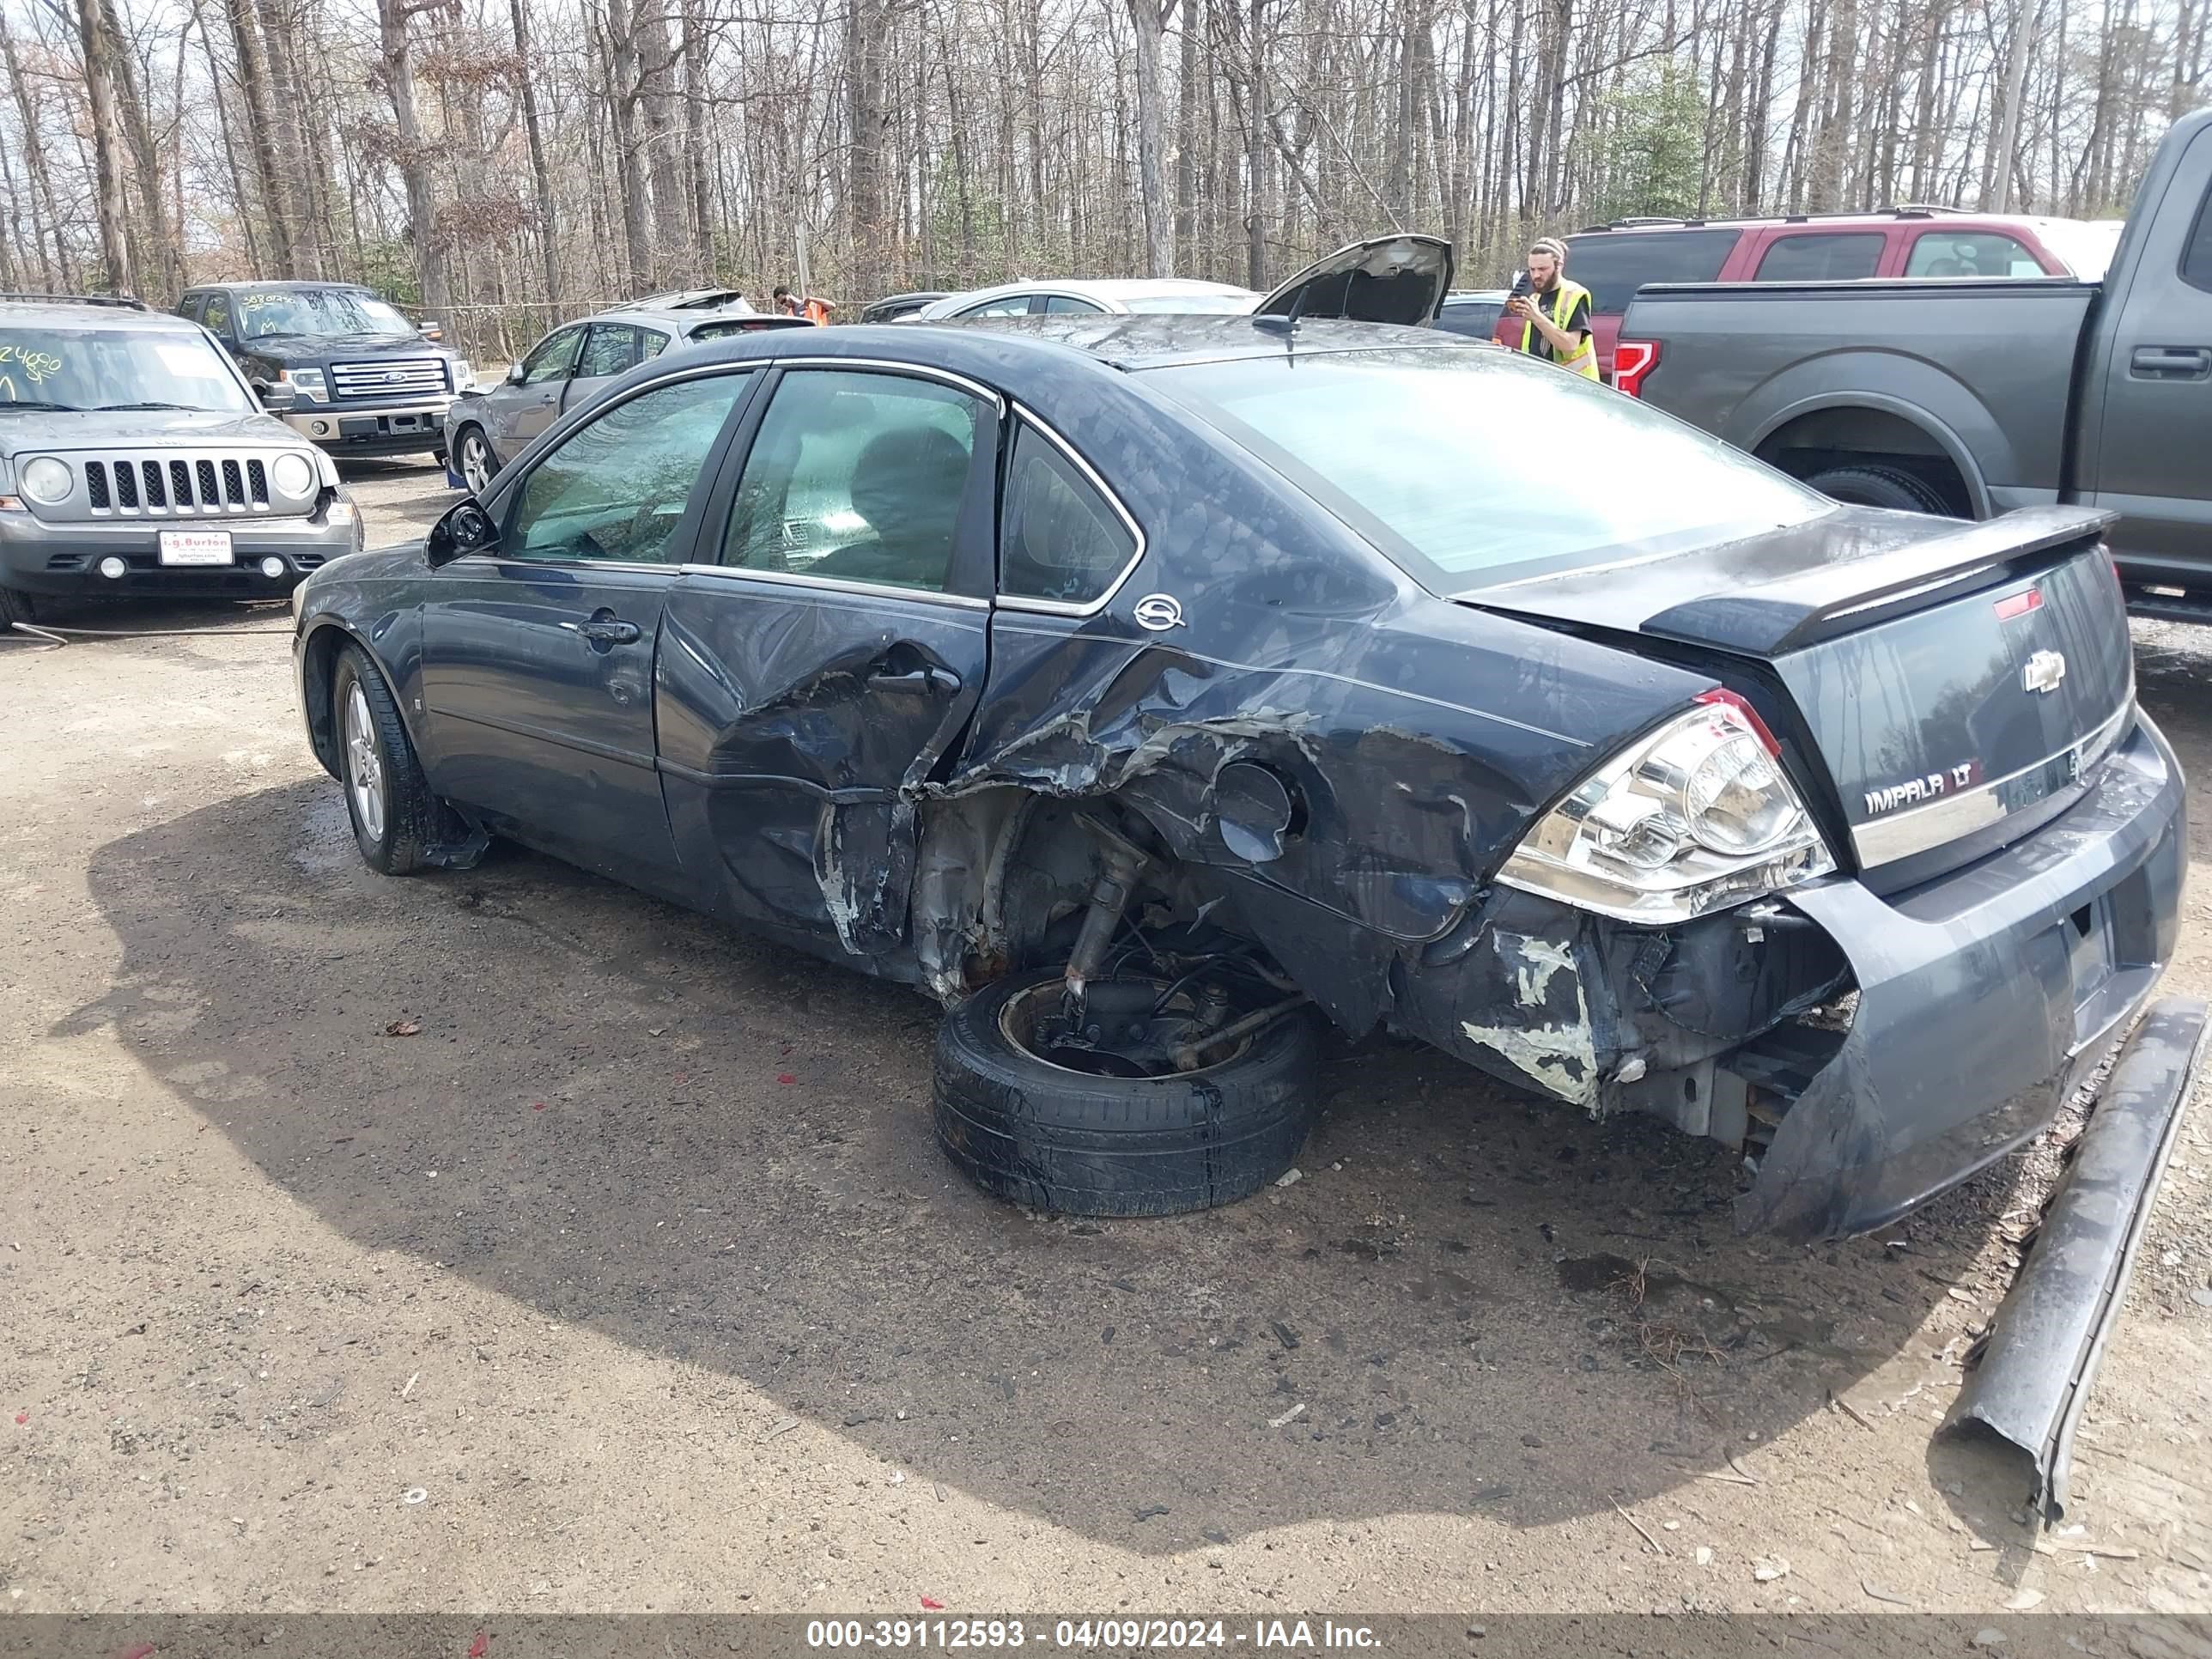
(1632, 361)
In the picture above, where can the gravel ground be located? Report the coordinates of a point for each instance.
(571, 1301)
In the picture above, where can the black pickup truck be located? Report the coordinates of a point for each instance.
(364, 380)
(1974, 397)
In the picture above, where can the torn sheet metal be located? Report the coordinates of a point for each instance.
(2050, 1331)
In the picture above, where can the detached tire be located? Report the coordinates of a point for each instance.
(1882, 486)
(1072, 1143)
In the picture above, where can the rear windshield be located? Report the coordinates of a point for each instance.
(2083, 246)
(112, 367)
(1613, 265)
(1468, 464)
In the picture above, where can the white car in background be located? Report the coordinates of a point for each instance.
(1064, 297)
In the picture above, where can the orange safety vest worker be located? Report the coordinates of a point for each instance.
(1563, 299)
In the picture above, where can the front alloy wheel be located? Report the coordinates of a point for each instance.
(364, 770)
(477, 463)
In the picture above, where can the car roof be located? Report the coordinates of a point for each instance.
(1951, 218)
(1105, 288)
(288, 286)
(67, 313)
(1130, 343)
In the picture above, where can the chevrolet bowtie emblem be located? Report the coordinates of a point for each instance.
(2043, 671)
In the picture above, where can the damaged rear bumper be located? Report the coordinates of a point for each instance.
(1984, 998)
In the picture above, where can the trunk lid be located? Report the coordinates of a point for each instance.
(1401, 278)
(1958, 683)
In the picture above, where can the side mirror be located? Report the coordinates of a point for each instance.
(280, 398)
(466, 528)
(514, 373)
(431, 329)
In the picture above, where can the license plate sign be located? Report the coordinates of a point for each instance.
(196, 547)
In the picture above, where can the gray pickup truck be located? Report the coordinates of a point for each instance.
(1971, 398)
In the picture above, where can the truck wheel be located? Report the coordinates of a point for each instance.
(1881, 486)
(1084, 1130)
(395, 816)
(15, 607)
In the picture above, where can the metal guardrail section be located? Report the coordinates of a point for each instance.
(167, 484)
(388, 377)
(2050, 1331)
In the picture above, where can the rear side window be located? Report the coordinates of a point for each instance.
(1058, 538)
(1970, 254)
(2196, 256)
(1821, 256)
(1475, 319)
(1613, 265)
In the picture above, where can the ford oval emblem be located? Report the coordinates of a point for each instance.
(1158, 612)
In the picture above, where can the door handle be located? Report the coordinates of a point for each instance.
(924, 680)
(606, 632)
(2171, 362)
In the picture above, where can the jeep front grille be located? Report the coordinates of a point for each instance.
(388, 379)
(169, 486)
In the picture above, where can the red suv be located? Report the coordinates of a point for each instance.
(1613, 261)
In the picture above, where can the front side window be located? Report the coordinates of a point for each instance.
(334, 312)
(1970, 254)
(859, 477)
(616, 488)
(116, 369)
(1058, 538)
(1404, 446)
(1613, 265)
(613, 350)
(555, 357)
(218, 313)
(1821, 256)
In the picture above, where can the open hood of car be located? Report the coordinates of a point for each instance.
(1400, 278)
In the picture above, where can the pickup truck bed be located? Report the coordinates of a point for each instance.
(1975, 396)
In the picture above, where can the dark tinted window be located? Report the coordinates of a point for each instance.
(1062, 305)
(1058, 538)
(611, 350)
(1820, 257)
(1476, 318)
(1613, 265)
(2196, 256)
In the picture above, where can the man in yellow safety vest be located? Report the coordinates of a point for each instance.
(1555, 317)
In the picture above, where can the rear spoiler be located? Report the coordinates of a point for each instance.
(1795, 610)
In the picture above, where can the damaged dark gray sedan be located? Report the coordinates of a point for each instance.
(1144, 688)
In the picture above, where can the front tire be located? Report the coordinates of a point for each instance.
(1052, 1137)
(395, 816)
(1882, 486)
(473, 460)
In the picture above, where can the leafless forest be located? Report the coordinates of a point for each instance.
(499, 160)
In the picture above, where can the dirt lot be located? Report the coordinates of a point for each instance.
(635, 1279)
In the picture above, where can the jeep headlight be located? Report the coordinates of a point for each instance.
(294, 476)
(47, 480)
(1695, 817)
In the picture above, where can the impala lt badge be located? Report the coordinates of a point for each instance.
(2043, 672)
(1158, 612)
(1934, 786)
